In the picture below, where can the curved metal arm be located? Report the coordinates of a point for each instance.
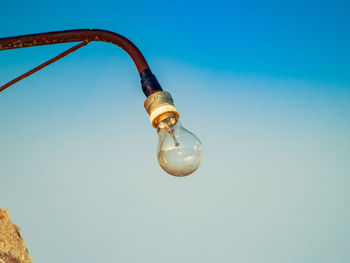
(148, 80)
(77, 35)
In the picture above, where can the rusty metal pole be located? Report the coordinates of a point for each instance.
(148, 80)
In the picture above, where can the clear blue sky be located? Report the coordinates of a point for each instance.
(264, 84)
(301, 39)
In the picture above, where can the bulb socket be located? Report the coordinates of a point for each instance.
(159, 104)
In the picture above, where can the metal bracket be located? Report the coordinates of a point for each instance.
(43, 65)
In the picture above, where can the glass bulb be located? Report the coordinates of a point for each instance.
(179, 151)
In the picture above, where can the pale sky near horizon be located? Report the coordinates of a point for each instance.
(269, 99)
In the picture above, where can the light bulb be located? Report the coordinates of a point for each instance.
(179, 151)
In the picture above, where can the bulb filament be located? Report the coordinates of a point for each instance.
(171, 132)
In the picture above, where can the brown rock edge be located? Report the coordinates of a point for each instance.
(12, 249)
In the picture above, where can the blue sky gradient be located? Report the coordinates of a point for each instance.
(264, 84)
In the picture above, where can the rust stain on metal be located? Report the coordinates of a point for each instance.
(76, 36)
(80, 35)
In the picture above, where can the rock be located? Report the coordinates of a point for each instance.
(12, 249)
